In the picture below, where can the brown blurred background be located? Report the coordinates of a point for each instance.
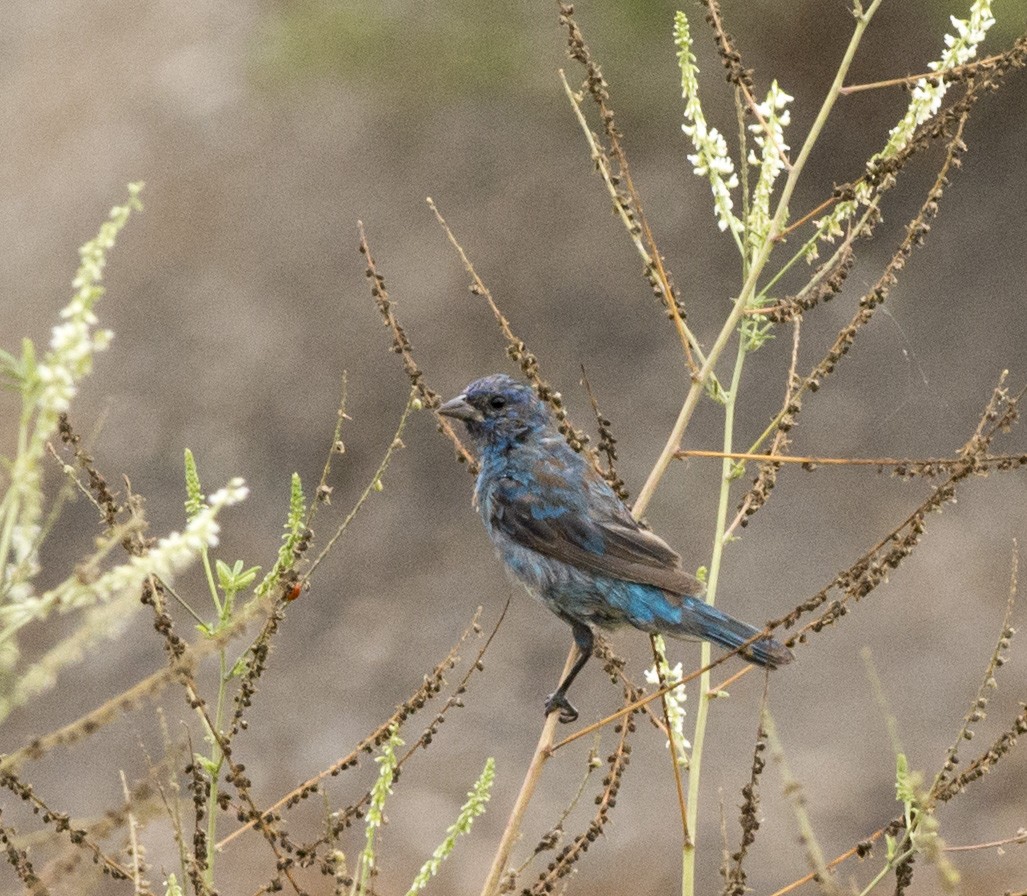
(264, 130)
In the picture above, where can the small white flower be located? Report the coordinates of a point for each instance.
(674, 700)
(925, 100)
(768, 135)
(711, 158)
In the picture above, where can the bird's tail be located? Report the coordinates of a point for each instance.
(698, 619)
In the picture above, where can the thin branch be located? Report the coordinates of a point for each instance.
(956, 73)
(760, 490)
(673, 749)
(517, 349)
(564, 862)
(402, 347)
(861, 849)
(738, 75)
(375, 484)
(1019, 838)
(929, 466)
(628, 203)
(431, 686)
(656, 273)
(543, 751)
(980, 702)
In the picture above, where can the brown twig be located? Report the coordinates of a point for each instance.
(402, 347)
(765, 481)
(861, 849)
(431, 687)
(823, 286)
(607, 445)
(564, 861)
(956, 73)
(905, 467)
(543, 750)
(679, 787)
(748, 815)
(1018, 839)
(980, 702)
(62, 825)
(516, 348)
(738, 75)
(612, 165)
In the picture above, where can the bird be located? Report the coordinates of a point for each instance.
(565, 534)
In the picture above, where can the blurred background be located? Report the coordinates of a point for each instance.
(264, 130)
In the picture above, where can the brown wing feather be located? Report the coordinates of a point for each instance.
(629, 552)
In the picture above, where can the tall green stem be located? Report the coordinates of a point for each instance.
(217, 757)
(702, 710)
(744, 300)
(11, 507)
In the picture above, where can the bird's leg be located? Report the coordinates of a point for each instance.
(585, 640)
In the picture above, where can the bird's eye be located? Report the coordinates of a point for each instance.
(497, 402)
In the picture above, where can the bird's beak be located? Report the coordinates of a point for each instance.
(461, 409)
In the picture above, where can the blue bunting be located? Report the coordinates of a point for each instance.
(566, 536)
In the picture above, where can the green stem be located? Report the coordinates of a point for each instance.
(218, 758)
(743, 301)
(211, 584)
(702, 710)
(887, 869)
(10, 513)
(11, 507)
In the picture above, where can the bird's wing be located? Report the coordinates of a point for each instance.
(587, 527)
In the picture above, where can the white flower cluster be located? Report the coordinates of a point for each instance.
(70, 359)
(673, 699)
(769, 136)
(925, 100)
(74, 341)
(47, 390)
(170, 555)
(711, 158)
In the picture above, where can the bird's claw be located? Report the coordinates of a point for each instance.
(558, 701)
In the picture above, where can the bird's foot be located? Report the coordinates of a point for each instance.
(558, 701)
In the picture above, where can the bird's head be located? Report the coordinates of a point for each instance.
(498, 409)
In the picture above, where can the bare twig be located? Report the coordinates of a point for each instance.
(402, 347)
(904, 467)
(613, 167)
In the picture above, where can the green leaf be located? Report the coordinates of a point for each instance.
(234, 579)
(172, 886)
(904, 782)
(208, 765)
